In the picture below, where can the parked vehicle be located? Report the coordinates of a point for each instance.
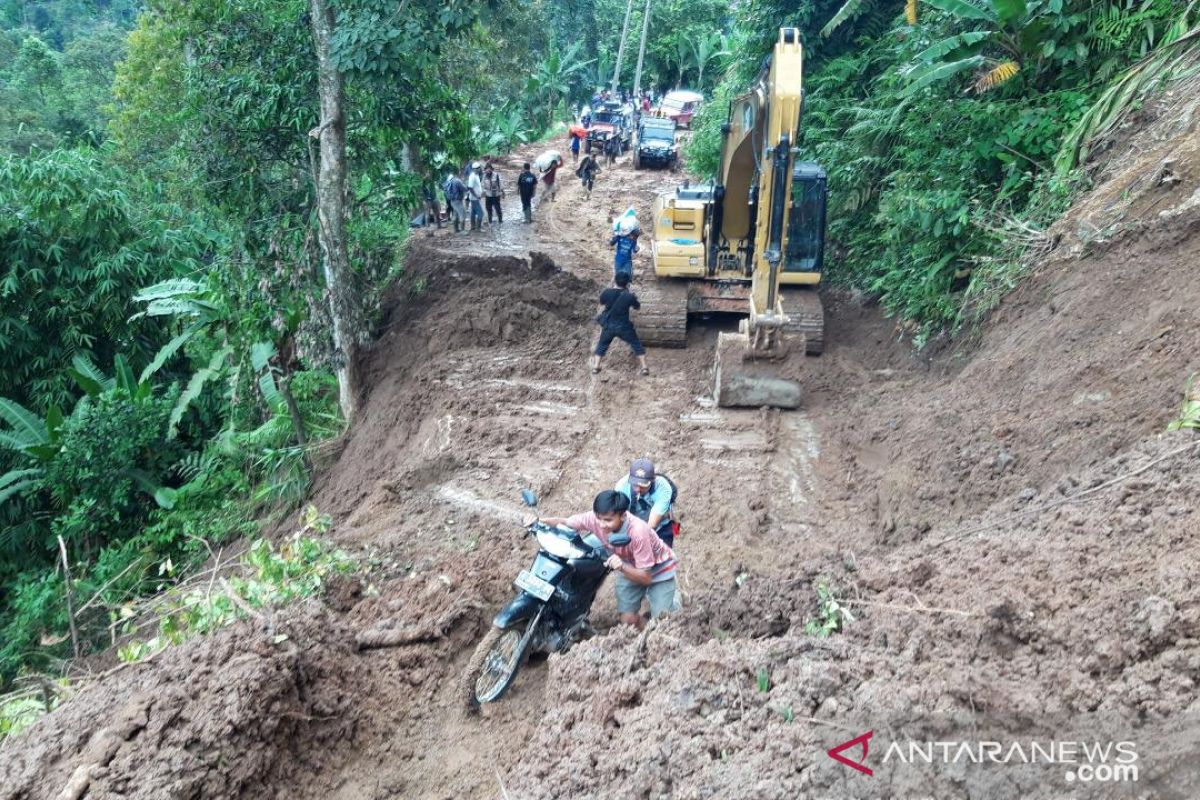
(655, 145)
(680, 106)
(609, 120)
(549, 613)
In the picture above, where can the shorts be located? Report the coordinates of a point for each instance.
(629, 596)
(624, 334)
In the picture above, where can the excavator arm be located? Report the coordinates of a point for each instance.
(738, 241)
(756, 176)
(752, 203)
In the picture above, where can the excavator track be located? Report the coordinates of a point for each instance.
(806, 315)
(662, 319)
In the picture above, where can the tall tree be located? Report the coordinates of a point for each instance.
(331, 187)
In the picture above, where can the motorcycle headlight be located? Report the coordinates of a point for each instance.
(557, 545)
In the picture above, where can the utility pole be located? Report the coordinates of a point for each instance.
(621, 47)
(637, 76)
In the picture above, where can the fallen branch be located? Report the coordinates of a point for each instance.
(503, 791)
(919, 609)
(137, 562)
(62, 548)
(237, 600)
(376, 638)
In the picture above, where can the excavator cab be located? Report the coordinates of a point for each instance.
(806, 229)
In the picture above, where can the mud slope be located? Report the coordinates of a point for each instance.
(1011, 530)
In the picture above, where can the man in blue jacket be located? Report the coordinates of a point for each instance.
(623, 260)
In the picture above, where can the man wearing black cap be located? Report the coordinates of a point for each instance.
(651, 497)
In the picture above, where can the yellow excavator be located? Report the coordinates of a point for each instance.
(733, 246)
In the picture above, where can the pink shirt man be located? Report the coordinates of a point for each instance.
(644, 551)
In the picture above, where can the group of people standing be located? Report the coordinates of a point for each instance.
(481, 189)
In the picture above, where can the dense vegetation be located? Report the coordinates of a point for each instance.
(950, 129)
(201, 204)
(168, 296)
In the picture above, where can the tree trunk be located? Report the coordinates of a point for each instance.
(331, 185)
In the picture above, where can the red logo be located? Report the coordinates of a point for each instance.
(860, 764)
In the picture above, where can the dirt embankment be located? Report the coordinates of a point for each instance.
(1008, 525)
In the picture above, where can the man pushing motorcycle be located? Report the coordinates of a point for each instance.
(645, 565)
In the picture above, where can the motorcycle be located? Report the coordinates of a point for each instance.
(548, 614)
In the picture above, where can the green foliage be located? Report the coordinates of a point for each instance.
(833, 614)
(1176, 53)
(762, 680)
(167, 289)
(553, 79)
(271, 578)
(682, 45)
(1189, 411)
(112, 448)
(34, 608)
(941, 138)
(74, 246)
(504, 130)
(704, 150)
(51, 97)
(19, 710)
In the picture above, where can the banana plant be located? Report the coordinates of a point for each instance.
(555, 76)
(1176, 54)
(1010, 36)
(706, 49)
(853, 8)
(40, 440)
(505, 130)
(31, 436)
(191, 300)
(680, 56)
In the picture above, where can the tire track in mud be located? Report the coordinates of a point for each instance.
(479, 387)
(622, 415)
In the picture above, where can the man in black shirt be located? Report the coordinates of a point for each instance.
(526, 183)
(615, 322)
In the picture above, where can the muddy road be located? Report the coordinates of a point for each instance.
(1012, 531)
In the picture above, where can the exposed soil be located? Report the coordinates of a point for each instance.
(1011, 528)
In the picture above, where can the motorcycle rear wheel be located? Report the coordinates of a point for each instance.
(494, 664)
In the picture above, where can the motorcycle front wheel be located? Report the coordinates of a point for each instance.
(494, 664)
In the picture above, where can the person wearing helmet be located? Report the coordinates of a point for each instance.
(644, 564)
(651, 498)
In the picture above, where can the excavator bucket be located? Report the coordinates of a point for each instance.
(744, 379)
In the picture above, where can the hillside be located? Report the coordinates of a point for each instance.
(1009, 524)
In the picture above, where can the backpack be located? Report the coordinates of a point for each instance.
(674, 488)
(454, 189)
